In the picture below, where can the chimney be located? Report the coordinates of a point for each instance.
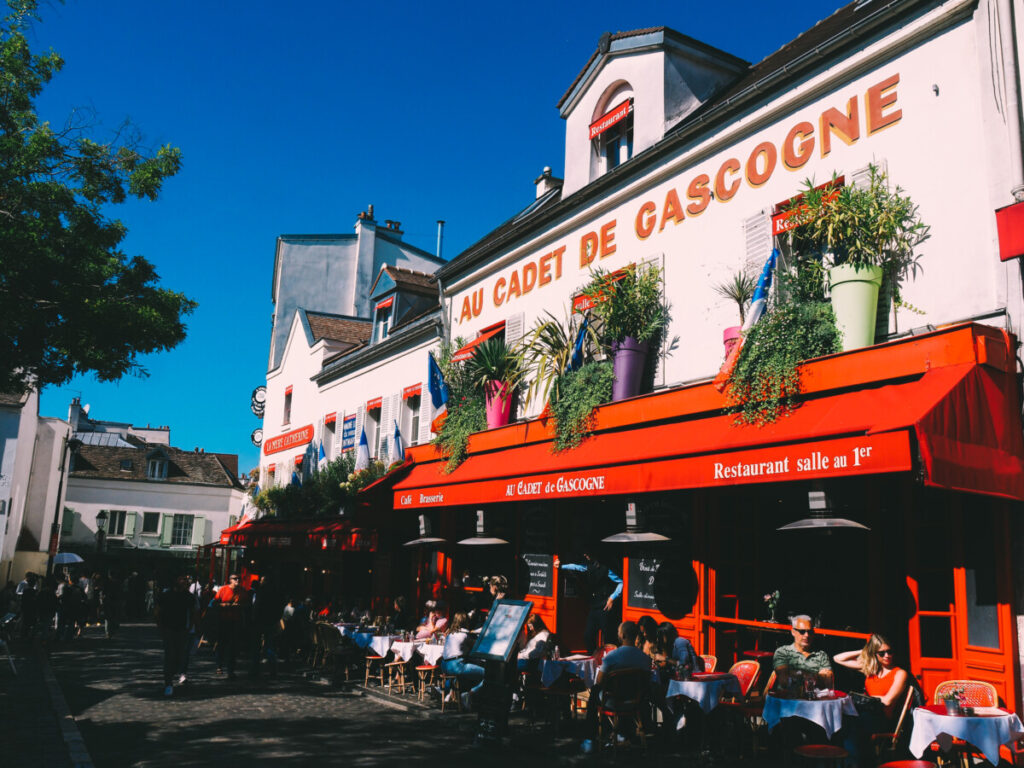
(75, 413)
(546, 182)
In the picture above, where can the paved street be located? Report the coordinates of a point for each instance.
(114, 690)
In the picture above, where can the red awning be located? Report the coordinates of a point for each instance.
(330, 418)
(298, 460)
(386, 302)
(301, 534)
(960, 421)
(412, 391)
(467, 351)
(374, 404)
(225, 535)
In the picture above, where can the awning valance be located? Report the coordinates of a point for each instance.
(467, 351)
(946, 403)
(301, 534)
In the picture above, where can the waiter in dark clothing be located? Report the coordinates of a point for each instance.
(604, 587)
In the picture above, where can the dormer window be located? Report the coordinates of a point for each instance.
(156, 465)
(611, 129)
(382, 318)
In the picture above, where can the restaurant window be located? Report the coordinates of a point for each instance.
(372, 427)
(181, 531)
(616, 144)
(115, 522)
(611, 130)
(150, 523)
(287, 406)
(980, 576)
(411, 419)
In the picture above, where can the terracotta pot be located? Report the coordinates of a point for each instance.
(497, 404)
(629, 357)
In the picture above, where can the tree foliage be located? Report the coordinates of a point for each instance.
(71, 301)
(322, 494)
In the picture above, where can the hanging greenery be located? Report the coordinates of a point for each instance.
(321, 494)
(575, 395)
(466, 409)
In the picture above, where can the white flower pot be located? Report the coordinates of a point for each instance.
(855, 303)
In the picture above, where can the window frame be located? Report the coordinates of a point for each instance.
(120, 515)
(142, 529)
(156, 467)
(181, 518)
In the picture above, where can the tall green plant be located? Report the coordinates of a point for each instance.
(466, 409)
(628, 303)
(549, 348)
(575, 396)
(494, 360)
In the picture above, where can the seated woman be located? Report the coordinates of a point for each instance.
(457, 645)
(435, 623)
(673, 652)
(883, 680)
(648, 635)
(536, 646)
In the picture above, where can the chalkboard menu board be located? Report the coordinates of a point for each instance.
(542, 575)
(642, 571)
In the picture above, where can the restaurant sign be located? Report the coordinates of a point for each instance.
(348, 433)
(288, 440)
(843, 457)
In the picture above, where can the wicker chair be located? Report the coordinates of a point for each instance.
(710, 662)
(747, 672)
(975, 692)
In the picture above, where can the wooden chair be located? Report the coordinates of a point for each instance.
(317, 644)
(453, 681)
(710, 662)
(374, 670)
(396, 676)
(625, 699)
(427, 674)
(889, 743)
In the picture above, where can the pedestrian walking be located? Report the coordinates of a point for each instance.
(175, 615)
(232, 603)
(267, 608)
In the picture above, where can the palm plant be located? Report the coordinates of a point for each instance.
(740, 289)
(549, 349)
(495, 361)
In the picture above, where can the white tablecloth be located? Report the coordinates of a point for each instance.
(986, 732)
(381, 644)
(706, 691)
(585, 668)
(430, 652)
(828, 713)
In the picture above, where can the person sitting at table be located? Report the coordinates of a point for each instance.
(883, 680)
(648, 642)
(799, 659)
(400, 621)
(536, 645)
(626, 656)
(436, 622)
(675, 653)
(457, 645)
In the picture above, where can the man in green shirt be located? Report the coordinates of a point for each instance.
(800, 658)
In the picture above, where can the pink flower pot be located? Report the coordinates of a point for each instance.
(497, 403)
(731, 337)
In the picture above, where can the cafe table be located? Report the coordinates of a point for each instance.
(827, 712)
(381, 644)
(986, 728)
(584, 667)
(431, 652)
(707, 689)
(361, 639)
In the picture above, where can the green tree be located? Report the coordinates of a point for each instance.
(71, 301)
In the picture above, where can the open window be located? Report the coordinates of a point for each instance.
(611, 129)
(156, 465)
(372, 425)
(382, 319)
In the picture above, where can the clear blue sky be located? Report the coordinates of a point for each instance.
(292, 118)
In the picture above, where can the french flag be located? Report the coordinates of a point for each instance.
(397, 445)
(322, 459)
(758, 304)
(363, 452)
(438, 393)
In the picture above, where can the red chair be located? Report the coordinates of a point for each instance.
(746, 672)
(710, 662)
(975, 693)
(625, 699)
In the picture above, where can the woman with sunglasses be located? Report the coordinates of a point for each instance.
(882, 678)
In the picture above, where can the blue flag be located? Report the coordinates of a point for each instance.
(577, 349)
(397, 445)
(438, 393)
(363, 452)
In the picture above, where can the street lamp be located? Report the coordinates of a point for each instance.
(101, 530)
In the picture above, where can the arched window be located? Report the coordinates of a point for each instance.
(611, 129)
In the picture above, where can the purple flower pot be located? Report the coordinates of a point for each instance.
(629, 357)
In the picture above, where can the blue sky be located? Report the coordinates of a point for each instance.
(292, 118)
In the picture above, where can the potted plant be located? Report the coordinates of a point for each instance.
(868, 233)
(497, 369)
(573, 400)
(466, 409)
(740, 289)
(952, 698)
(629, 307)
(549, 351)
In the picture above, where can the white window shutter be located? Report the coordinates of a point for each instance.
(385, 429)
(426, 414)
(198, 530)
(167, 530)
(129, 524)
(360, 425)
(757, 236)
(514, 328)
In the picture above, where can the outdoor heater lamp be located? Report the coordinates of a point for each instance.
(426, 534)
(820, 516)
(635, 532)
(482, 530)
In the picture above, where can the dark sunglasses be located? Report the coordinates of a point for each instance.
(884, 653)
(804, 631)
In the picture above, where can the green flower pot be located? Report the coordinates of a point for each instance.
(855, 302)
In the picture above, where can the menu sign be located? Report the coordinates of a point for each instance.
(542, 571)
(642, 571)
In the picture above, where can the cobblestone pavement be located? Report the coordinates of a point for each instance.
(114, 690)
(30, 728)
